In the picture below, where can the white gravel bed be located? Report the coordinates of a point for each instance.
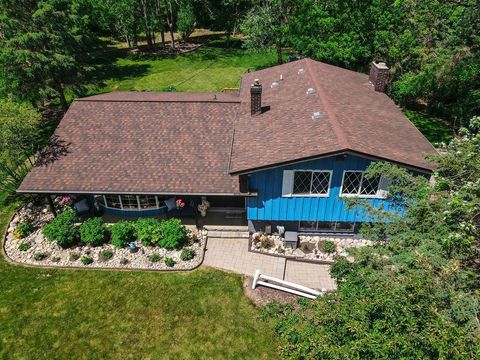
(309, 247)
(122, 258)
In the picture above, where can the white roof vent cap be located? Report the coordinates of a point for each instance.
(301, 71)
(310, 91)
(317, 115)
(274, 85)
(281, 77)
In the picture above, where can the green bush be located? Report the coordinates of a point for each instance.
(329, 247)
(173, 234)
(148, 231)
(123, 232)
(106, 255)
(93, 231)
(39, 256)
(187, 254)
(62, 229)
(169, 262)
(154, 257)
(24, 246)
(124, 261)
(86, 260)
(23, 229)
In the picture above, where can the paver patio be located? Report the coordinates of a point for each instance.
(232, 254)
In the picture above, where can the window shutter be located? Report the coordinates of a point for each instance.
(287, 184)
(383, 187)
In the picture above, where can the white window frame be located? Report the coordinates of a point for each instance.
(131, 209)
(330, 172)
(358, 195)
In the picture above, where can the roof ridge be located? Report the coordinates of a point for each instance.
(322, 96)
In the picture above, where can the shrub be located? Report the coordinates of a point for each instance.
(74, 256)
(124, 261)
(106, 254)
(93, 232)
(169, 262)
(329, 246)
(187, 254)
(123, 232)
(55, 259)
(23, 229)
(265, 242)
(148, 231)
(86, 260)
(39, 256)
(174, 234)
(62, 229)
(24, 246)
(154, 257)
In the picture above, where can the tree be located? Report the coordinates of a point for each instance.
(45, 48)
(187, 21)
(266, 25)
(415, 294)
(227, 15)
(19, 140)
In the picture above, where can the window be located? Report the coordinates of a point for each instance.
(326, 226)
(355, 183)
(306, 183)
(129, 201)
(113, 201)
(147, 201)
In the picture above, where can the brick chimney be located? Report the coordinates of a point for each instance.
(378, 76)
(256, 97)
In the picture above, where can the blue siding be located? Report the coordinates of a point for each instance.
(270, 205)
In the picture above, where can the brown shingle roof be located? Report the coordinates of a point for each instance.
(354, 118)
(138, 142)
(120, 145)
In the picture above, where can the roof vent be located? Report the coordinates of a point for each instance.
(274, 85)
(301, 71)
(281, 77)
(310, 91)
(317, 115)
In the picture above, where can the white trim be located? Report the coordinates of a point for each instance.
(358, 195)
(333, 154)
(330, 172)
(139, 208)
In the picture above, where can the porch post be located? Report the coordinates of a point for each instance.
(195, 210)
(52, 206)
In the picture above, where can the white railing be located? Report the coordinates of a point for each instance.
(286, 286)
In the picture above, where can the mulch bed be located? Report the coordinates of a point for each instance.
(262, 295)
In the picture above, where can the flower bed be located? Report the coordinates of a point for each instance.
(31, 246)
(316, 248)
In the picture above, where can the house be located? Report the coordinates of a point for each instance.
(284, 150)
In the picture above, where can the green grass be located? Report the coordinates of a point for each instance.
(93, 314)
(434, 129)
(213, 67)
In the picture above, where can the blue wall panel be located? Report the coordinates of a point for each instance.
(270, 205)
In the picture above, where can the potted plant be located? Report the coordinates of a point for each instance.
(203, 207)
(179, 204)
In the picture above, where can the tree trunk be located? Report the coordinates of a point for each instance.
(61, 96)
(129, 43)
(279, 54)
(172, 38)
(162, 34)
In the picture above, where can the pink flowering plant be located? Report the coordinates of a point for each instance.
(66, 200)
(180, 204)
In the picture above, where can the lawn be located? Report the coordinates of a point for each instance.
(212, 67)
(93, 314)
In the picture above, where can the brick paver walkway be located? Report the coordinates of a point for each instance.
(233, 255)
